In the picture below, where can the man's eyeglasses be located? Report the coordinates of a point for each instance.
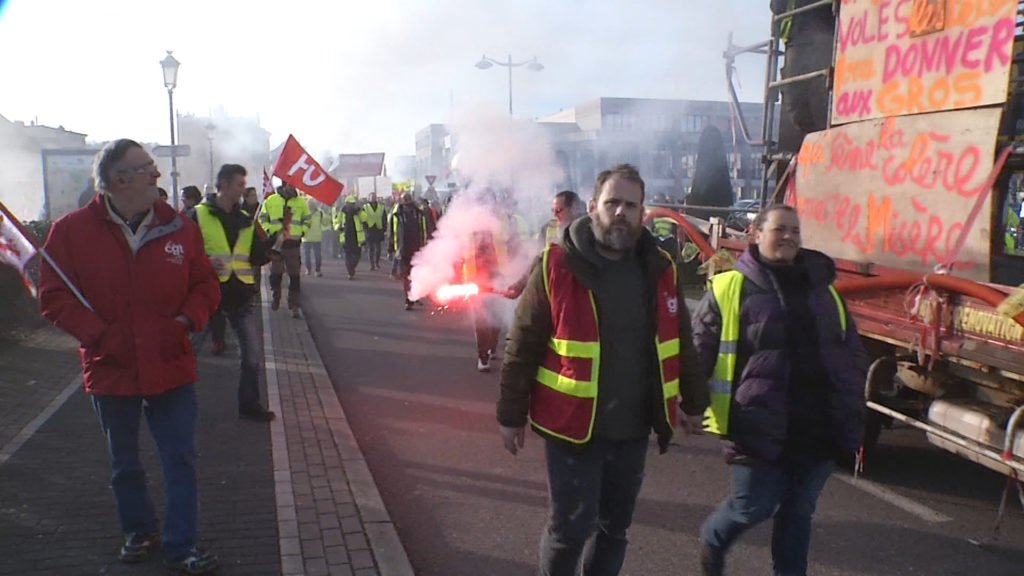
(146, 168)
(557, 210)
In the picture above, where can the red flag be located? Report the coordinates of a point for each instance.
(294, 166)
(16, 249)
(268, 186)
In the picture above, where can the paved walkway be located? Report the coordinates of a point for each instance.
(292, 497)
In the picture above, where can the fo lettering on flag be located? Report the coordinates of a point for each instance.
(16, 250)
(268, 186)
(296, 167)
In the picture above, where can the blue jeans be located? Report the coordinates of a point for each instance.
(172, 418)
(244, 321)
(592, 488)
(312, 254)
(787, 492)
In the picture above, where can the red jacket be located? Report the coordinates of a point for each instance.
(131, 344)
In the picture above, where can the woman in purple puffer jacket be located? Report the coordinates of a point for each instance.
(787, 392)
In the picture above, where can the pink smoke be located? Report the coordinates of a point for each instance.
(495, 152)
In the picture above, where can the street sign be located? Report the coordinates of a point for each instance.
(180, 151)
(430, 179)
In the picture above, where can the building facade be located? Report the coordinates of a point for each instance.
(434, 153)
(24, 158)
(216, 140)
(658, 136)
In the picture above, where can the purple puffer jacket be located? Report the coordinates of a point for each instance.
(758, 421)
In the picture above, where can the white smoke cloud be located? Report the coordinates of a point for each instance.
(495, 153)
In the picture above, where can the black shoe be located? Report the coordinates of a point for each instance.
(197, 561)
(711, 562)
(137, 547)
(408, 305)
(257, 415)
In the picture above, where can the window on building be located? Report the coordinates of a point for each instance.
(661, 164)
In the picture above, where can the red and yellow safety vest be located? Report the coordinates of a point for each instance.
(563, 401)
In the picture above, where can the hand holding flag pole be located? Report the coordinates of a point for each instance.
(18, 247)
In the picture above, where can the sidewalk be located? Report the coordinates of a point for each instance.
(293, 497)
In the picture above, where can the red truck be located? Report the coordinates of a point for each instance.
(912, 179)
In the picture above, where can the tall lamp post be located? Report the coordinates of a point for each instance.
(170, 65)
(531, 64)
(211, 129)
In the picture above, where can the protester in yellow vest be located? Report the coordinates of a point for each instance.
(597, 355)
(484, 263)
(287, 215)
(565, 207)
(235, 245)
(348, 222)
(373, 214)
(312, 241)
(787, 388)
(408, 229)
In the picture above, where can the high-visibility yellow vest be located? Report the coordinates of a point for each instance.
(787, 24)
(357, 219)
(316, 226)
(522, 229)
(552, 232)
(394, 226)
(664, 227)
(469, 265)
(374, 217)
(215, 242)
(272, 215)
(1012, 223)
(727, 288)
(563, 400)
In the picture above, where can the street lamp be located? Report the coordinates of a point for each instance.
(532, 64)
(170, 65)
(210, 130)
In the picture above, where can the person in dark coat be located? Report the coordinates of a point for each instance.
(809, 38)
(793, 403)
(408, 226)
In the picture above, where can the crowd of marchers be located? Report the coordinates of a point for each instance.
(601, 353)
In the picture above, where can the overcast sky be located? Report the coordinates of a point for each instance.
(356, 76)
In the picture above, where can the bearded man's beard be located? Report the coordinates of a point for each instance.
(619, 236)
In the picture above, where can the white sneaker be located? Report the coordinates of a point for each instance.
(483, 365)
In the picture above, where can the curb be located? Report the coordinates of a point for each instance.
(385, 545)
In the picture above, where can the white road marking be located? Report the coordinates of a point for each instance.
(15, 443)
(902, 502)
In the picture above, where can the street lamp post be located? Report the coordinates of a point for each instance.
(531, 64)
(210, 130)
(170, 66)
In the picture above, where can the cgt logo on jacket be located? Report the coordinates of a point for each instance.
(672, 303)
(176, 252)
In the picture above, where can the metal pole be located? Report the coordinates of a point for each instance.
(174, 157)
(212, 183)
(509, 84)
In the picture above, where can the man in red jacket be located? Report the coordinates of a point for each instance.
(145, 281)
